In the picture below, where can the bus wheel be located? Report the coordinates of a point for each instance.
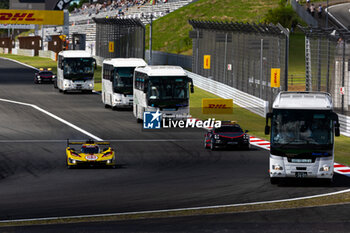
(107, 106)
(59, 90)
(329, 182)
(274, 180)
(138, 120)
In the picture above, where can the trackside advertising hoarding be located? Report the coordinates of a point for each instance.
(31, 17)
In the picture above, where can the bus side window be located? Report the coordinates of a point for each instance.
(112, 74)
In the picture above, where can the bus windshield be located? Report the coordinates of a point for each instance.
(168, 88)
(123, 78)
(301, 127)
(78, 68)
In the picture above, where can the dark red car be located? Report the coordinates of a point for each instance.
(228, 135)
(44, 76)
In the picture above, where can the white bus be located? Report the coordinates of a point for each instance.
(163, 88)
(303, 126)
(75, 71)
(117, 79)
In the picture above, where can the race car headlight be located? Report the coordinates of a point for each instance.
(38, 76)
(277, 167)
(246, 136)
(325, 168)
(72, 160)
(109, 161)
(216, 136)
(90, 85)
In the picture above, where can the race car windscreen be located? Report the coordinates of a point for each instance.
(89, 150)
(229, 129)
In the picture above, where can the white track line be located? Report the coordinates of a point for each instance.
(174, 210)
(332, 16)
(55, 117)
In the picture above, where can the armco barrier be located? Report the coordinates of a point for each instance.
(242, 99)
(344, 122)
(47, 54)
(24, 52)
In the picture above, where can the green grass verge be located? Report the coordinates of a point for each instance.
(248, 120)
(171, 32)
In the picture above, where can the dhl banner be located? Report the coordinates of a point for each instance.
(275, 77)
(31, 17)
(217, 106)
(206, 64)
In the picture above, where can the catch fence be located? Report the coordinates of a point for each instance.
(241, 55)
(119, 38)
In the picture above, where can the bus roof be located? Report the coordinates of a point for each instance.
(75, 53)
(125, 62)
(162, 70)
(303, 100)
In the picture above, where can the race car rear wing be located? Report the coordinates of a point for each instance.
(87, 142)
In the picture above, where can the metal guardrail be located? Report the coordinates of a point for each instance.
(344, 122)
(242, 99)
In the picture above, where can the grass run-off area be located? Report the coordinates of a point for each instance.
(177, 39)
(248, 120)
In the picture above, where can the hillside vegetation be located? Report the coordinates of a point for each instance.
(171, 32)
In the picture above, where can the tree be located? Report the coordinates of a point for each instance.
(4, 4)
(283, 14)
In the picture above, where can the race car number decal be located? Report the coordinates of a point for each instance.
(91, 157)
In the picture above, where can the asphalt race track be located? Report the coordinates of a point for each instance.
(156, 170)
(341, 13)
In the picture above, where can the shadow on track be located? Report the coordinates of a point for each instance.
(339, 181)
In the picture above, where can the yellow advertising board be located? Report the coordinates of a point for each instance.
(275, 77)
(206, 62)
(111, 47)
(217, 106)
(31, 17)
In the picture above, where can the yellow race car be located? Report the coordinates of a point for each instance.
(90, 153)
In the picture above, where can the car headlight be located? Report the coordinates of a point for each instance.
(246, 136)
(90, 85)
(38, 76)
(277, 167)
(325, 168)
(109, 161)
(216, 136)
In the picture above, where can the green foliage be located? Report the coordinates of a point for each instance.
(4, 4)
(72, 7)
(75, 5)
(283, 14)
(171, 32)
